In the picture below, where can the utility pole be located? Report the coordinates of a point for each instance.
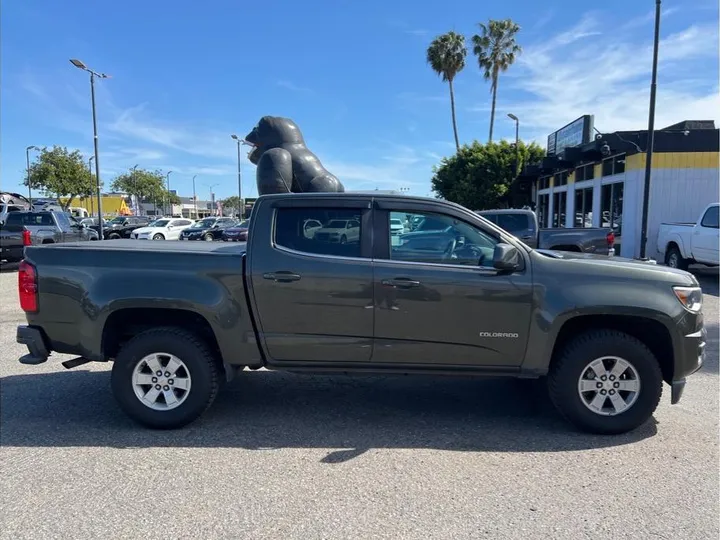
(92, 201)
(651, 136)
(242, 206)
(195, 197)
(78, 64)
(27, 155)
(136, 203)
(167, 181)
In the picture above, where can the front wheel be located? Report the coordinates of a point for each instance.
(674, 259)
(165, 378)
(113, 236)
(605, 381)
(343, 239)
(208, 237)
(158, 237)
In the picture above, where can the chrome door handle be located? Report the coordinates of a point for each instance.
(401, 283)
(283, 276)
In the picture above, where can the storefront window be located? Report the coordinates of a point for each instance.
(612, 210)
(583, 207)
(561, 178)
(559, 205)
(586, 172)
(542, 209)
(613, 165)
(544, 182)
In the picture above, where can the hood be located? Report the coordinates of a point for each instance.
(142, 230)
(621, 267)
(192, 229)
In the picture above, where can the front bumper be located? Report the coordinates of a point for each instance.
(690, 360)
(34, 340)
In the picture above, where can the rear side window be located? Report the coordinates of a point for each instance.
(317, 230)
(710, 219)
(514, 223)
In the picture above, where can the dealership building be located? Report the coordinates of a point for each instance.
(593, 179)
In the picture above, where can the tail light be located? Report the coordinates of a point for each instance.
(610, 239)
(27, 287)
(26, 238)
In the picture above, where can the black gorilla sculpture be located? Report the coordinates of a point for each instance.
(284, 163)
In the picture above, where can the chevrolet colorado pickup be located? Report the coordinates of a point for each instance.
(462, 298)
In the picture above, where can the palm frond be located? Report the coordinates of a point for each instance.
(446, 55)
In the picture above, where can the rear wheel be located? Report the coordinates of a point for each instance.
(606, 381)
(674, 259)
(165, 378)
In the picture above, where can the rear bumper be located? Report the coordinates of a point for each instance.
(691, 360)
(34, 340)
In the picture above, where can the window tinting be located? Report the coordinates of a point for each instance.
(29, 219)
(321, 231)
(710, 219)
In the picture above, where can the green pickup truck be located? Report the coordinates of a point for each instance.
(462, 297)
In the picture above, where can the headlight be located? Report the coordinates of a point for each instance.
(690, 297)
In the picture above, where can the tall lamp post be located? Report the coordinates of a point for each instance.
(136, 203)
(27, 155)
(195, 197)
(167, 181)
(92, 202)
(240, 203)
(78, 64)
(212, 196)
(651, 135)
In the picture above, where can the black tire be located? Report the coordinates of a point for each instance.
(674, 259)
(192, 351)
(575, 358)
(158, 236)
(113, 236)
(208, 237)
(343, 239)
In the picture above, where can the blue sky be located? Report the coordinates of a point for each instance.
(186, 74)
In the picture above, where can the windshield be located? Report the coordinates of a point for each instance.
(159, 223)
(203, 223)
(336, 224)
(117, 221)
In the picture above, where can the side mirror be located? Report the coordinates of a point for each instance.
(506, 258)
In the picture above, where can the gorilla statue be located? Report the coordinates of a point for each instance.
(284, 163)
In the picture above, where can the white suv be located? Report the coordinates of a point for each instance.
(162, 229)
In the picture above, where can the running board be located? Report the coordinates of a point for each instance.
(75, 362)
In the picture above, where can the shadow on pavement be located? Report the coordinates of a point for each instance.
(271, 410)
(8, 267)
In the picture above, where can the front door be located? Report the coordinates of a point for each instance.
(438, 298)
(70, 232)
(705, 237)
(313, 293)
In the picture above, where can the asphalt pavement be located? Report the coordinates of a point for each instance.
(292, 456)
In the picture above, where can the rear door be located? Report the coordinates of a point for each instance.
(438, 299)
(11, 236)
(705, 237)
(313, 297)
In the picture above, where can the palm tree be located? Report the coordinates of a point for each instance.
(446, 56)
(496, 50)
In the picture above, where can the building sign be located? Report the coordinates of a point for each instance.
(575, 133)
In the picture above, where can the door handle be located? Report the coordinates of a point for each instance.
(283, 276)
(401, 283)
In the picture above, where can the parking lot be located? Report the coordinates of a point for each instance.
(291, 456)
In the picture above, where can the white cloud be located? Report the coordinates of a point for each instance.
(575, 73)
(294, 87)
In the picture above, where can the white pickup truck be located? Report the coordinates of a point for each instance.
(682, 244)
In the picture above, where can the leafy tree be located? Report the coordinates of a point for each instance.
(232, 203)
(146, 185)
(63, 174)
(481, 176)
(446, 56)
(496, 50)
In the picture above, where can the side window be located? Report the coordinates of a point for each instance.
(441, 239)
(62, 220)
(710, 219)
(321, 231)
(14, 221)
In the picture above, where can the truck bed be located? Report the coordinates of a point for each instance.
(164, 246)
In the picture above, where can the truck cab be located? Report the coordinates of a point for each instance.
(682, 244)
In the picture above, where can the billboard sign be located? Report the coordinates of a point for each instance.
(575, 133)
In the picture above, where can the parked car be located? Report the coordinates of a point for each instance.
(179, 322)
(339, 230)
(236, 233)
(12, 202)
(523, 224)
(44, 227)
(208, 229)
(682, 244)
(122, 226)
(396, 226)
(161, 229)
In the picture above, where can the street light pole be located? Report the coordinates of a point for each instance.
(167, 180)
(651, 136)
(27, 155)
(240, 202)
(78, 64)
(212, 196)
(92, 201)
(135, 195)
(195, 197)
